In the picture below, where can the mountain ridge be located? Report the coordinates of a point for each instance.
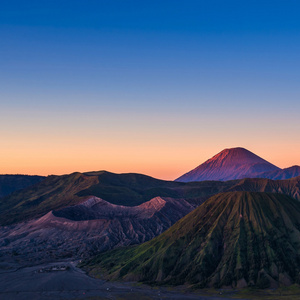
(57, 192)
(92, 226)
(234, 239)
(237, 163)
(286, 173)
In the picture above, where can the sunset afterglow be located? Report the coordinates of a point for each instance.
(135, 90)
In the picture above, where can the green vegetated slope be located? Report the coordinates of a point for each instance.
(289, 187)
(57, 192)
(52, 193)
(234, 239)
(130, 189)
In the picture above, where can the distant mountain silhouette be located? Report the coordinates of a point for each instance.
(229, 164)
(234, 239)
(286, 173)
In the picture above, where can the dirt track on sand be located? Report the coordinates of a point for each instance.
(64, 280)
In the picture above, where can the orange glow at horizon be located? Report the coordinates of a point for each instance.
(137, 90)
(164, 146)
(166, 162)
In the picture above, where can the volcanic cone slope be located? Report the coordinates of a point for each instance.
(229, 164)
(234, 239)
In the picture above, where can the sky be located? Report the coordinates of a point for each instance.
(152, 87)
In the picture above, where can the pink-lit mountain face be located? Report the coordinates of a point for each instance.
(229, 164)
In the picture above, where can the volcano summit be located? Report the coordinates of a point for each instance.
(237, 163)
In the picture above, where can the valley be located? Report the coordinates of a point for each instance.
(233, 240)
(83, 230)
(133, 235)
(63, 280)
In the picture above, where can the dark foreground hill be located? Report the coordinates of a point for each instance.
(11, 183)
(234, 239)
(58, 192)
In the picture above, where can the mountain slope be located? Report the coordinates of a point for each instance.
(57, 192)
(54, 192)
(235, 239)
(229, 164)
(286, 173)
(11, 183)
(89, 228)
(290, 187)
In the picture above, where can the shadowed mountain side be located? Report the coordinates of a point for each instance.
(54, 192)
(229, 164)
(287, 173)
(11, 183)
(92, 226)
(132, 189)
(95, 208)
(57, 192)
(289, 187)
(234, 239)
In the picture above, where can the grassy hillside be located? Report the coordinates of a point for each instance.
(134, 189)
(233, 239)
(56, 192)
(52, 193)
(289, 187)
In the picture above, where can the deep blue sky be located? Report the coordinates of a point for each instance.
(145, 77)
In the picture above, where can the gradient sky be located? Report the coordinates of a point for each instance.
(154, 87)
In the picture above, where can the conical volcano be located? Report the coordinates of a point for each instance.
(234, 239)
(229, 164)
